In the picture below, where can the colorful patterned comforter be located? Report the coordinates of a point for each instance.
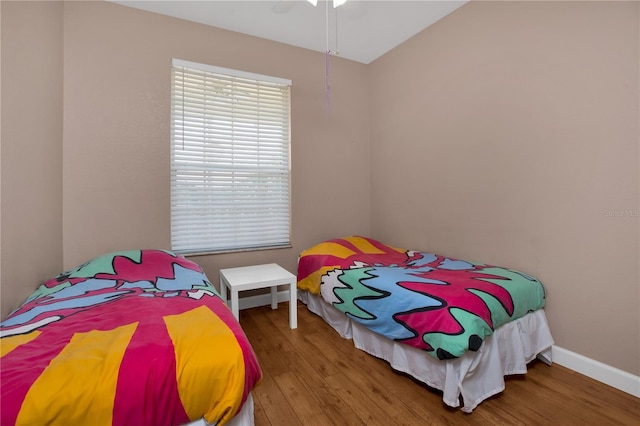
(135, 337)
(441, 305)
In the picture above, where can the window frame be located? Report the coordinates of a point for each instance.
(276, 150)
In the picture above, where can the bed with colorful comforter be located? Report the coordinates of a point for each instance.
(428, 306)
(136, 337)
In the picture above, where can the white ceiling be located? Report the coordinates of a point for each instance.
(365, 30)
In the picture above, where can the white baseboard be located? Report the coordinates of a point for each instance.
(597, 370)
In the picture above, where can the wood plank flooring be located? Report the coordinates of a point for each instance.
(312, 376)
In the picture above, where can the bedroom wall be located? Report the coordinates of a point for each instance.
(31, 147)
(116, 132)
(508, 133)
(538, 102)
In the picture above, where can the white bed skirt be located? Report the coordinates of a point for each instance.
(244, 418)
(475, 376)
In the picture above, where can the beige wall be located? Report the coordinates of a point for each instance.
(31, 149)
(507, 133)
(116, 145)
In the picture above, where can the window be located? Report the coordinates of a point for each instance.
(230, 162)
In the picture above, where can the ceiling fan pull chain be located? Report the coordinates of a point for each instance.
(327, 53)
(337, 49)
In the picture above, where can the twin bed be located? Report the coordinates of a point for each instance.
(142, 337)
(457, 326)
(135, 337)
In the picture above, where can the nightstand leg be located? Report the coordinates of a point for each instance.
(293, 306)
(274, 297)
(234, 304)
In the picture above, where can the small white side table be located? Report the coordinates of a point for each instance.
(259, 276)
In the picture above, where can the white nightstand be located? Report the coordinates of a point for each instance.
(259, 276)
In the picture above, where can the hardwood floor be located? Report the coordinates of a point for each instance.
(312, 376)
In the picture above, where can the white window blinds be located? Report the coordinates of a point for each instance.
(230, 172)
